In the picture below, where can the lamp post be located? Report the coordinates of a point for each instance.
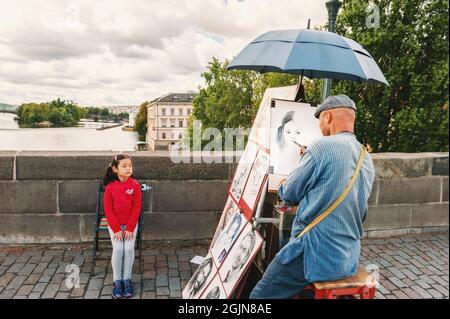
(333, 7)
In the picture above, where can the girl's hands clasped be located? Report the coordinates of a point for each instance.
(126, 235)
(118, 236)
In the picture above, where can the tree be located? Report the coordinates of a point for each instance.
(141, 121)
(411, 48)
(58, 112)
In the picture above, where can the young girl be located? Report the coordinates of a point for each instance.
(122, 204)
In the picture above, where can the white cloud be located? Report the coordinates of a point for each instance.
(125, 52)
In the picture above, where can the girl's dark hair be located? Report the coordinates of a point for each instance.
(287, 118)
(110, 176)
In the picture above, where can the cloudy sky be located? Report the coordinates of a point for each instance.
(123, 52)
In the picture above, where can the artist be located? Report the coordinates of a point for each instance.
(331, 249)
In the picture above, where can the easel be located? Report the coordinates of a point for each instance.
(273, 240)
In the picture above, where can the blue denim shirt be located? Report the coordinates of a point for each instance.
(331, 249)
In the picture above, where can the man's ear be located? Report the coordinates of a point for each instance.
(328, 117)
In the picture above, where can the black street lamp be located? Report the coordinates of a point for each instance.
(333, 7)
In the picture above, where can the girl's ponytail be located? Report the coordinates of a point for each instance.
(110, 176)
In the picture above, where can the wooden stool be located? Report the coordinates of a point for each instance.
(362, 284)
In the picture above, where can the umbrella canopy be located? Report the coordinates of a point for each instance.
(314, 54)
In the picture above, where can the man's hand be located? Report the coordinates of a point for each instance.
(281, 182)
(128, 235)
(302, 150)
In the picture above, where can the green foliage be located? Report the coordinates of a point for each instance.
(141, 121)
(58, 112)
(411, 48)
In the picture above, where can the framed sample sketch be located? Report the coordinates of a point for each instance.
(255, 182)
(200, 279)
(227, 238)
(242, 171)
(229, 210)
(214, 290)
(239, 258)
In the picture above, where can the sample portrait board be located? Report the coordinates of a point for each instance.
(254, 185)
(200, 279)
(243, 170)
(227, 238)
(239, 258)
(229, 210)
(215, 289)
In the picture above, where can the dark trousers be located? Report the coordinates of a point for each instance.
(281, 281)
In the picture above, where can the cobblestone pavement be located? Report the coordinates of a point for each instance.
(410, 267)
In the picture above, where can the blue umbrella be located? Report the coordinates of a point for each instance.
(314, 54)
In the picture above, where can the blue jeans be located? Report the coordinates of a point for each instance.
(281, 281)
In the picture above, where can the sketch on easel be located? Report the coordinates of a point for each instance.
(227, 238)
(214, 290)
(254, 184)
(243, 170)
(229, 210)
(293, 125)
(239, 258)
(260, 132)
(200, 279)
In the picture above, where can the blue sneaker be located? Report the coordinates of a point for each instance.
(128, 290)
(117, 289)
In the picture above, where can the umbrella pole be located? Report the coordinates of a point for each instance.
(333, 7)
(300, 95)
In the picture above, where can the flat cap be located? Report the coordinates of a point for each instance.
(334, 102)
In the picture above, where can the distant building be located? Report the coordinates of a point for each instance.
(132, 118)
(167, 120)
(117, 109)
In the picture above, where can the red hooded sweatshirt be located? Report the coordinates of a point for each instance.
(122, 204)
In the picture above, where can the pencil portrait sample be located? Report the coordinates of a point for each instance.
(239, 258)
(260, 132)
(254, 184)
(214, 290)
(228, 237)
(200, 279)
(229, 210)
(243, 170)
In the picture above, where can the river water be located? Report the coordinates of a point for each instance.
(85, 138)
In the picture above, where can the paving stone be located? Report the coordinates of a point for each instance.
(50, 291)
(16, 282)
(34, 295)
(5, 279)
(40, 287)
(162, 281)
(148, 285)
(92, 294)
(62, 295)
(174, 284)
(95, 284)
(162, 291)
